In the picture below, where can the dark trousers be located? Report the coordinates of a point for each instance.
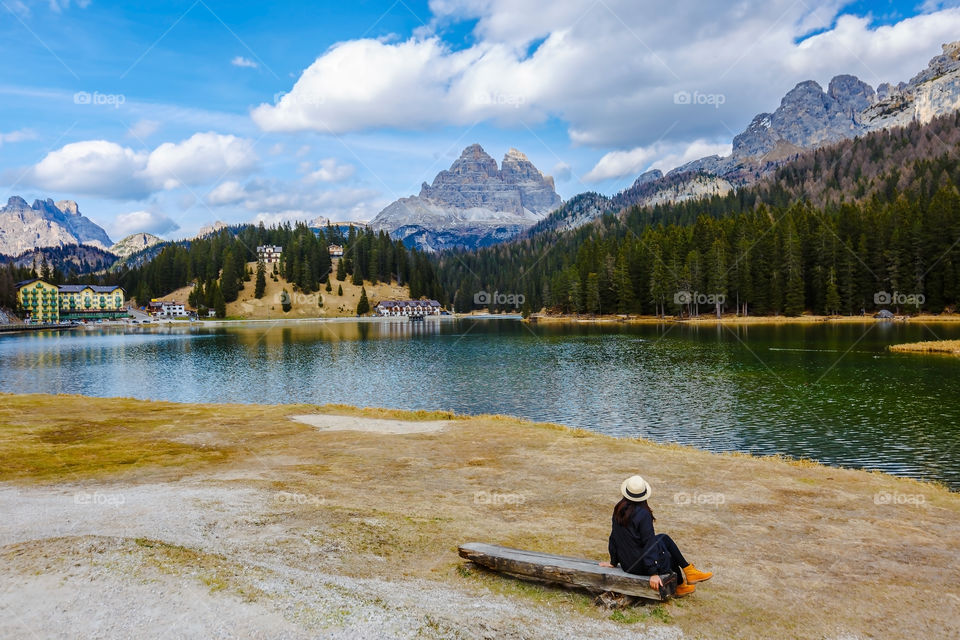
(677, 562)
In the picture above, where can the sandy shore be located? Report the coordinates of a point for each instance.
(125, 518)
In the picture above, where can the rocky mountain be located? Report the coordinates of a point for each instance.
(474, 203)
(809, 117)
(134, 243)
(45, 223)
(211, 228)
(933, 92)
(650, 189)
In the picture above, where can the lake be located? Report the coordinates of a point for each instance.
(831, 392)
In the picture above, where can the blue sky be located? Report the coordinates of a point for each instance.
(165, 116)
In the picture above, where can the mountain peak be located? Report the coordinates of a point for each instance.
(45, 224)
(16, 202)
(68, 206)
(472, 202)
(474, 151)
(133, 243)
(514, 154)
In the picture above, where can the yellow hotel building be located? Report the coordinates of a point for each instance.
(46, 302)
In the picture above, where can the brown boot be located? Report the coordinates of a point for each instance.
(684, 589)
(694, 575)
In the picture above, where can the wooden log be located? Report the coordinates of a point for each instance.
(564, 570)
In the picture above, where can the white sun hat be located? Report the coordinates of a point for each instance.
(635, 488)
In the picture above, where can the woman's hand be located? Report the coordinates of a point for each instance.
(606, 565)
(655, 582)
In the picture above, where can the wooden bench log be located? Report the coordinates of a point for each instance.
(565, 570)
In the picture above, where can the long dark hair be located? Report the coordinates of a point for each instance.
(623, 512)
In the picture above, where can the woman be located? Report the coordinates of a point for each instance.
(637, 549)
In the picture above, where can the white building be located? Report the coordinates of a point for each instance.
(269, 253)
(408, 308)
(336, 251)
(168, 310)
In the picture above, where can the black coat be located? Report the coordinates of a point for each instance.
(636, 548)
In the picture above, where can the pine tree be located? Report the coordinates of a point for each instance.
(341, 270)
(340, 290)
(261, 284)
(833, 294)
(285, 303)
(228, 278)
(329, 287)
(593, 293)
(363, 307)
(219, 303)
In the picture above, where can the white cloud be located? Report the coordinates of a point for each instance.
(142, 221)
(228, 192)
(93, 167)
(202, 158)
(607, 69)
(100, 167)
(20, 135)
(663, 156)
(293, 215)
(240, 61)
(330, 171)
(296, 200)
(143, 129)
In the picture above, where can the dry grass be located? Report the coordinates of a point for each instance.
(247, 307)
(931, 346)
(799, 549)
(305, 306)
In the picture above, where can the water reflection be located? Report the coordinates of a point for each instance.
(829, 392)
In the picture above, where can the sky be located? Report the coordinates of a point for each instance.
(166, 116)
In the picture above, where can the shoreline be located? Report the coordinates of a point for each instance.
(348, 523)
(707, 320)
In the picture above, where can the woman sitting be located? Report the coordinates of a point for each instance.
(638, 550)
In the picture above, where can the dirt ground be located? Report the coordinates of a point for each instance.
(126, 518)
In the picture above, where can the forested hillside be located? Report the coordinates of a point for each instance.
(831, 232)
(218, 264)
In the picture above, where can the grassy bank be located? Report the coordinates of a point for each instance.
(799, 549)
(930, 346)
